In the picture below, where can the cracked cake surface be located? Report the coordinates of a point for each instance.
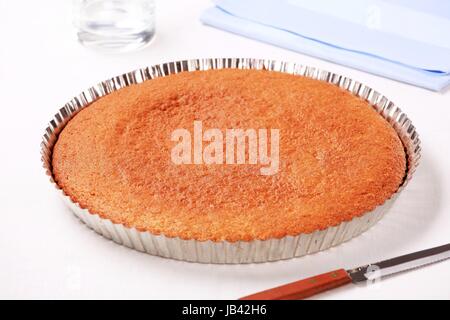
(338, 157)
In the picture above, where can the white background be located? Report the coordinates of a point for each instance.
(45, 252)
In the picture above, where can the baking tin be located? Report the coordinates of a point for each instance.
(239, 251)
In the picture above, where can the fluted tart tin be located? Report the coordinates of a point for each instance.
(239, 251)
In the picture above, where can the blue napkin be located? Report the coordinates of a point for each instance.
(405, 40)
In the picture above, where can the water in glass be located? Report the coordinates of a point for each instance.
(114, 25)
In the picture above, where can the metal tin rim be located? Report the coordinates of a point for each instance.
(240, 251)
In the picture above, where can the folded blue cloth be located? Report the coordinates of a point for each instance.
(405, 40)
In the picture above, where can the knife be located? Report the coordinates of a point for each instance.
(330, 280)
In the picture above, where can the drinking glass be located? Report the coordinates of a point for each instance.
(114, 25)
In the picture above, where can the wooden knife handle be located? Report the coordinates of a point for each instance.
(304, 288)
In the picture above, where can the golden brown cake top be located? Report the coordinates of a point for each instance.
(338, 158)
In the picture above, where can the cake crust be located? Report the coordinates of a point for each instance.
(338, 158)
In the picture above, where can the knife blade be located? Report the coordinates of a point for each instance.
(307, 287)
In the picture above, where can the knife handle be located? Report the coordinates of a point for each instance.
(304, 288)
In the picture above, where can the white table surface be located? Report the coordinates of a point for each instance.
(45, 252)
